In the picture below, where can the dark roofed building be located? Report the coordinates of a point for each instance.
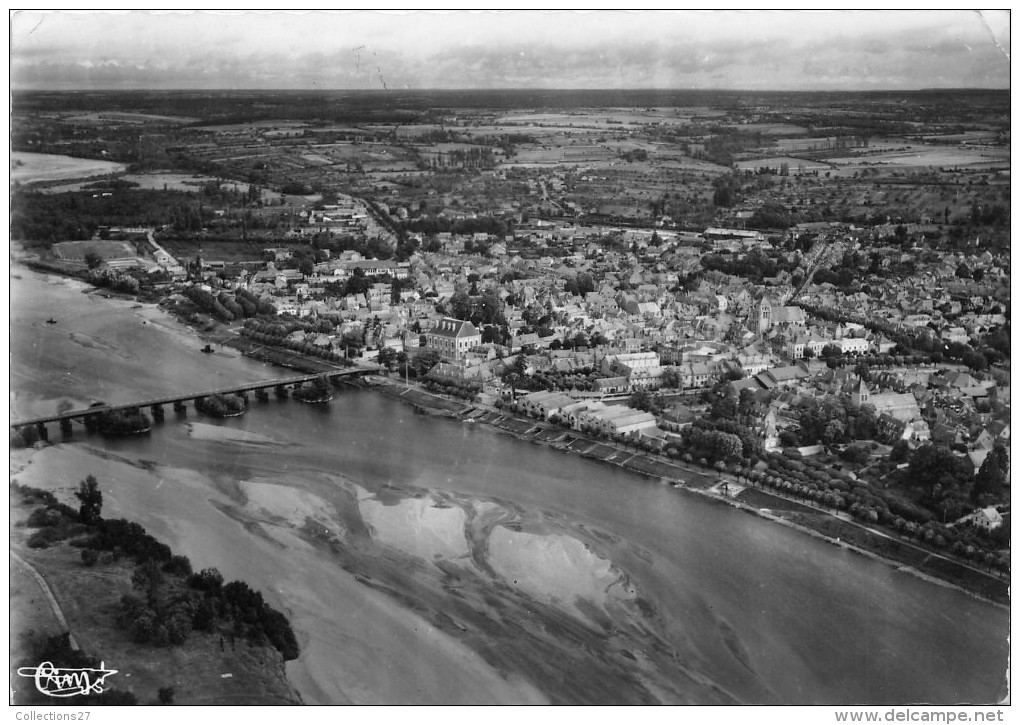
(452, 338)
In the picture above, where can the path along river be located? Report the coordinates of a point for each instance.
(427, 561)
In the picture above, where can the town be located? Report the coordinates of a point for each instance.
(773, 288)
(512, 357)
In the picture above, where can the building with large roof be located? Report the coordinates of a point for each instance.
(452, 338)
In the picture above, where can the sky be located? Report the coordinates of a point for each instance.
(714, 49)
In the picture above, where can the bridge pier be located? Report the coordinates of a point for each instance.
(92, 416)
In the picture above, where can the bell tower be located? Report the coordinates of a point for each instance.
(764, 315)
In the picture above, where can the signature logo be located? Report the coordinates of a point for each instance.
(67, 682)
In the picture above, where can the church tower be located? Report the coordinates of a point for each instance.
(860, 396)
(764, 315)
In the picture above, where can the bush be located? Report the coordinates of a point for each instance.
(178, 566)
(207, 580)
(44, 517)
(89, 557)
(42, 538)
(131, 539)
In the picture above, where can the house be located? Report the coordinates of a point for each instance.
(611, 385)
(614, 419)
(452, 338)
(780, 377)
(902, 406)
(543, 403)
(986, 518)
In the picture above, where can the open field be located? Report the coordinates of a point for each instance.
(270, 125)
(104, 248)
(776, 162)
(927, 156)
(602, 118)
(171, 181)
(27, 167)
(122, 117)
(768, 129)
(805, 143)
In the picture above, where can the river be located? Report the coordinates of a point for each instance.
(427, 561)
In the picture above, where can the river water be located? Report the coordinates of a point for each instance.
(426, 561)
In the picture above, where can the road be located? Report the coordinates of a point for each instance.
(48, 593)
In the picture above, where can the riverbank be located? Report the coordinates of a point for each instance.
(768, 614)
(897, 551)
(204, 670)
(801, 517)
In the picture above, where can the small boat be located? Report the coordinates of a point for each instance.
(207, 348)
(51, 321)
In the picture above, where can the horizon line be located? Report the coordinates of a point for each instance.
(512, 88)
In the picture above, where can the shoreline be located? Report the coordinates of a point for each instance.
(389, 388)
(427, 403)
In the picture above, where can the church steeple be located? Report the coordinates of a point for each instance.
(860, 396)
(764, 321)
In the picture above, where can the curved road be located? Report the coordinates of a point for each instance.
(48, 593)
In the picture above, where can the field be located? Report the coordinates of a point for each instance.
(804, 143)
(768, 129)
(254, 126)
(928, 156)
(27, 167)
(171, 181)
(105, 249)
(795, 165)
(602, 118)
(121, 117)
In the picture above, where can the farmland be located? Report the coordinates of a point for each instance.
(106, 249)
(433, 157)
(28, 168)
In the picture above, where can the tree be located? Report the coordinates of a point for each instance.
(91, 500)
(900, 451)
(835, 432)
(932, 465)
(423, 362)
(149, 579)
(670, 378)
(641, 400)
(93, 260)
(460, 305)
(992, 476)
(387, 356)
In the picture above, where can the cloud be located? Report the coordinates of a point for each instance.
(783, 50)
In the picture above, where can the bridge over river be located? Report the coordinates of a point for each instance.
(261, 389)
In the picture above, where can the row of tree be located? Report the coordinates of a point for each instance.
(113, 280)
(227, 306)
